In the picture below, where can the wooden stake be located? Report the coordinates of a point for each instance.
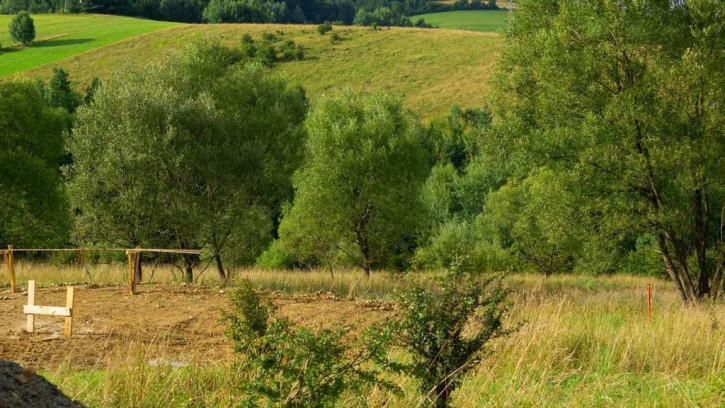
(131, 273)
(649, 302)
(68, 326)
(31, 302)
(10, 263)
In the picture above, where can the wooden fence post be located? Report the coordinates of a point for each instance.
(31, 302)
(68, 326)
(10, 264)
(131, 273)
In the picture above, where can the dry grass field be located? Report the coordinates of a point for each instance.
(581, 341)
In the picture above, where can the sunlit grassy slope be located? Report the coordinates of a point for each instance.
(429, 69)
(60, 36)
(475, 20)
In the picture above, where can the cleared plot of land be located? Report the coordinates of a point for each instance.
(474, 20)
(60, 36)
(429, 69)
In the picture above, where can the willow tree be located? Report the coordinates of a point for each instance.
(360, 181)
(192, 151)
(624, 98)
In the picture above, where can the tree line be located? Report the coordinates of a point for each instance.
(602, 152)
(347, 12)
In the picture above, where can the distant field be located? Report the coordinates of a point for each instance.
(429, 69)
(474, 20)
(60, 36)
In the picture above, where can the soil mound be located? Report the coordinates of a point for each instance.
(21, 387)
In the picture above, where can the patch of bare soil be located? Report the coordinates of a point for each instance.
(167, 322)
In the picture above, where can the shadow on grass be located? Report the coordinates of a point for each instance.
(61, 42)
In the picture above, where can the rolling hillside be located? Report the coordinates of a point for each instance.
(60, 36)
(429, 69)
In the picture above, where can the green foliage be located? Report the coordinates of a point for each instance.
(446, 328)
(60, 94)
(190, 152)
(624, 98)
(33, 200)
(535, 220)
(451, 241)
(22, 28)
(324, 28)
(645, 259)
(293, 366)
(270, 50)
(91, 90)
(275, 257)
(360, 182)
(454, 138)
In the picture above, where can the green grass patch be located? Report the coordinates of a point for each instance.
(473, 20)
(61, 36)
(429, 69)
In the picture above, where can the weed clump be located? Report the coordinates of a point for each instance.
(294, 366)
(445, 328)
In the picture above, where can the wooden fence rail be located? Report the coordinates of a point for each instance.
(133, 256)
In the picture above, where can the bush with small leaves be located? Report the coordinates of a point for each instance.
(324, 28)
(445, 328)
(22, 28)
(291, 366)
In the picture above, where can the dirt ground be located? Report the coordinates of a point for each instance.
(167, 322)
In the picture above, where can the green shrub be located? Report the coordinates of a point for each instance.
(292, 366)
(324, 28)
(446, 328)
(645, 259)
(269, 37)
(335, 38)
(276, 257)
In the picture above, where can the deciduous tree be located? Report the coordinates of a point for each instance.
(22, 28)
(626, 98)
(360, 182)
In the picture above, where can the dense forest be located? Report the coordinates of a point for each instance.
(359, 12)
(601, 151)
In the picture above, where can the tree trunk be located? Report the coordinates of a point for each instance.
(670, 267)
(365, 250)
(327, 262)
(220, 267)
(188, 268)
(361, 234)
(703, 284)
(137, 267)
(443, 393)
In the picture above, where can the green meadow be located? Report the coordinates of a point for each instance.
(61, 36)
(473, 20)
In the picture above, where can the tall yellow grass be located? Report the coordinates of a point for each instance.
(581, 342)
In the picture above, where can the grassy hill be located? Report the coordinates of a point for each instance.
(429, 69)
(474, 20)
(60, 36)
